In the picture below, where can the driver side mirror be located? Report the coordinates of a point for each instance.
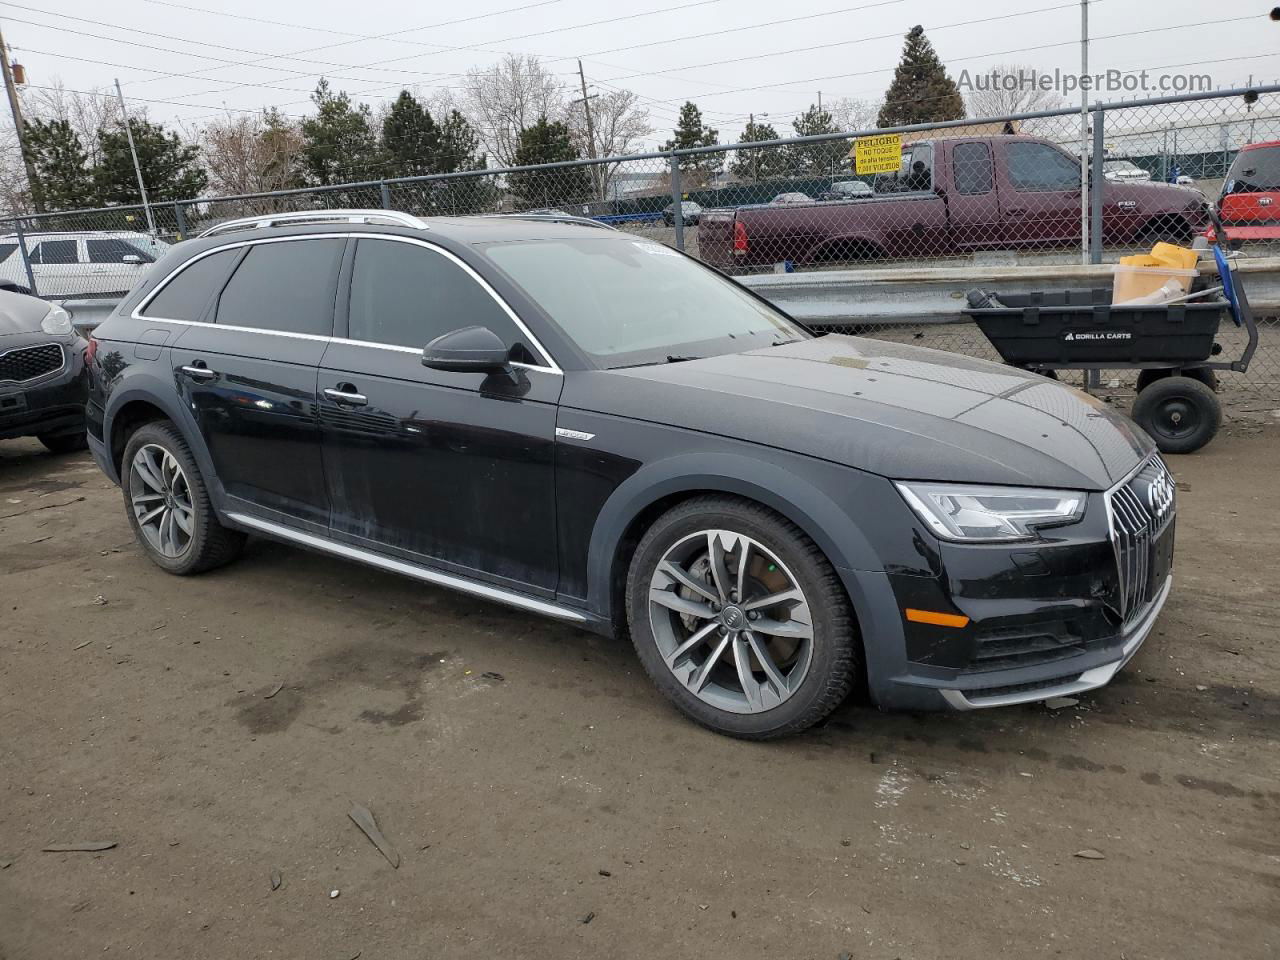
(131, 258)
(469, 350)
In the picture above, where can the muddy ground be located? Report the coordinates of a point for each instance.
(134, 709)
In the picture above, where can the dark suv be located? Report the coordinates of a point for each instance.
(591, 426)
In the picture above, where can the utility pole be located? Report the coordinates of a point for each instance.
(1084, 133)
(33, 182)
(137, 167)
(819, 101)
(591, 131)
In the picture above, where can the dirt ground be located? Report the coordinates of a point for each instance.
(545, 802)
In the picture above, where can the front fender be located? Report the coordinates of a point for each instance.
(812, 502)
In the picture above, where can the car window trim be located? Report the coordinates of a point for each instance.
(136, 314)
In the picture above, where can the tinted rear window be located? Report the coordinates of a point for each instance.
(186, 295)
(1254, 171)
(284, 286)
(55, 252)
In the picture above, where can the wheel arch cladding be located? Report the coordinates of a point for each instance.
(657, 487)
(131, 408)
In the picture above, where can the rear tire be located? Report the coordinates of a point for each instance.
(1180, 413)
(168, 505)
(64, 442)
(712, 641)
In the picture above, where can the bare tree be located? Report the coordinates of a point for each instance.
(618, 123)
(252, 153)
(1006, 89)
(508, 97)
(87, 112)
(854, 113)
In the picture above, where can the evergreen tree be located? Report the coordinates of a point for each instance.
(763, 164)
(690, 132)
(170, 168)
(921, 91)
(410, 139)
(547, 142)
(817, 159)
(63, 179)
(340, 145)
(459, 145)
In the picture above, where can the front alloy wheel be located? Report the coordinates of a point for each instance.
(739, 619)
(730, 621)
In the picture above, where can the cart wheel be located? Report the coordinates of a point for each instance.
(1147, 377)
(1180, 413)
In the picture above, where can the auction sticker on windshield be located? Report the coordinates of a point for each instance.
(880, 154)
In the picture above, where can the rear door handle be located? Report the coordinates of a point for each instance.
(346, 397)
(199, 372)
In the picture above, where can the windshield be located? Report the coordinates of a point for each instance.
(627, 302)
(151, 246)
(1122, 166)
(1254, 171)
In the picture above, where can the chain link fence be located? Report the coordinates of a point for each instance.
(995, 191)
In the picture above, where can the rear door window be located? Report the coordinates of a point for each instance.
(55, 252)
(971, 164)
(186, 296)
(284, 286)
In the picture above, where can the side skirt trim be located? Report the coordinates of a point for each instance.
(371, 559)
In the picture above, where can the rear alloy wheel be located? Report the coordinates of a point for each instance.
(168, 505)
(740, 620)
(1180, 413)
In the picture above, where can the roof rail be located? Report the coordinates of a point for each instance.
(396, 217)
(554, 218)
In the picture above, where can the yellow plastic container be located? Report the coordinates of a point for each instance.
(1174, 256)
(1149, 283)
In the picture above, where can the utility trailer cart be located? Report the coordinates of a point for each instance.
(1171, 345)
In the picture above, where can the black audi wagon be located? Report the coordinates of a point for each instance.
(587, 425)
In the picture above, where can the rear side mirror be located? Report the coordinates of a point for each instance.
(469, 350)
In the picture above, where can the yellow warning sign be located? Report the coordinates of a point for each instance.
(881, 154)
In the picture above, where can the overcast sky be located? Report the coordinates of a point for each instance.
(728, 56)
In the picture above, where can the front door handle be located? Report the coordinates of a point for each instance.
(199, 372)
(347, 398)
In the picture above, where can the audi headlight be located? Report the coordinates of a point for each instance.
(968, 512)
(57, 322)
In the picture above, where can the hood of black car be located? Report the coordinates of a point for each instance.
(20, 313)
(899, 411)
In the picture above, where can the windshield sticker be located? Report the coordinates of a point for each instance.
(657, 249)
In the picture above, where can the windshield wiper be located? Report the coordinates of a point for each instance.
(676, 358)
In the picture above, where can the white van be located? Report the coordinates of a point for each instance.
(78, 264)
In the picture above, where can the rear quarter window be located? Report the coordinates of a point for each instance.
(189, 293)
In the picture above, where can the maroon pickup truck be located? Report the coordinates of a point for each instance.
(951, 196)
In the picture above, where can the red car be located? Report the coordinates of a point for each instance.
(1249, 206)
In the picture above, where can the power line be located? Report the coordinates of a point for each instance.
(976, 56)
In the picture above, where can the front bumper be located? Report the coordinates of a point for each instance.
(48, 405)
(1022, 622)
(1089, 679)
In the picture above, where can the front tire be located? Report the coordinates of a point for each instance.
(1180, 413)
(168, 505)
(740, 620)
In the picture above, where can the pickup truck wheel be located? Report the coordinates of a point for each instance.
(168, 504)
(740, 620)
(1180, 413)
